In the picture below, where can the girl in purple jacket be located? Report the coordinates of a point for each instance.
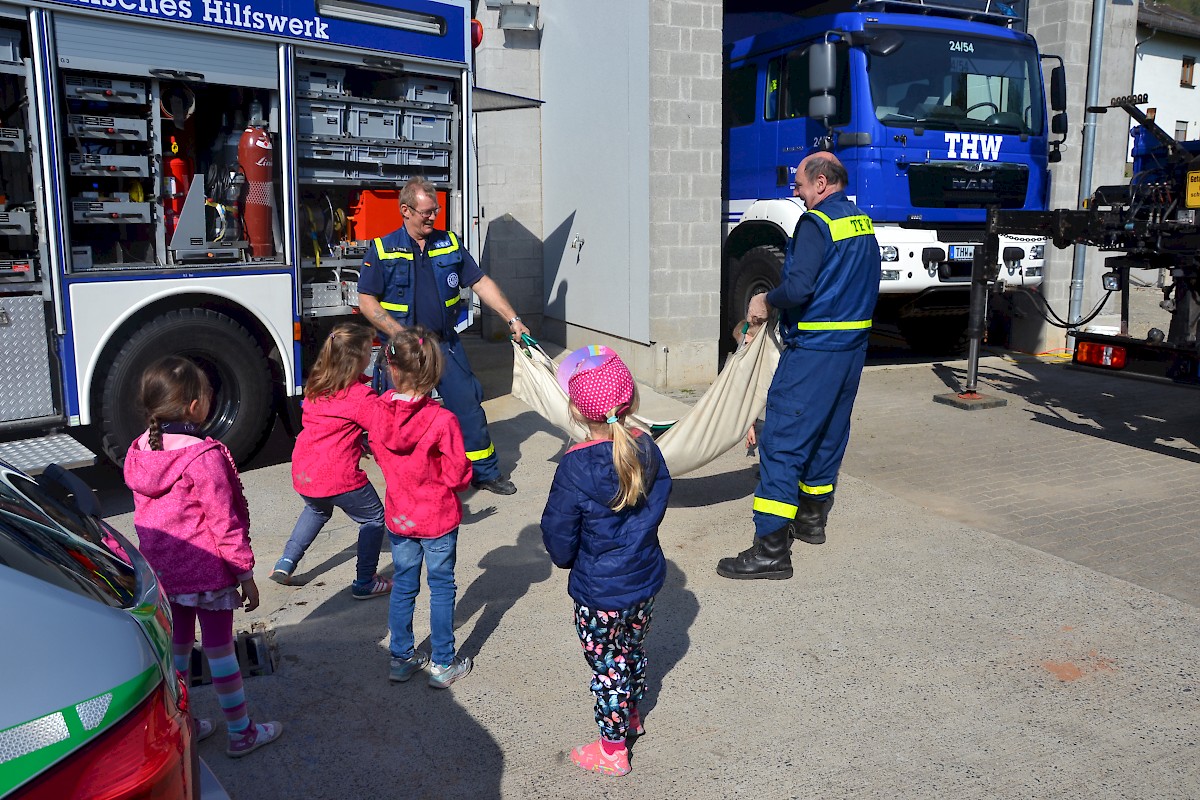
(193, 526)
(601, 521)
(325, 460)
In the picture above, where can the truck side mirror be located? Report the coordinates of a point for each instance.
(1058, 124)
(822, 80)
(1058, 90)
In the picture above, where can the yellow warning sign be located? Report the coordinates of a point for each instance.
(1192, 195)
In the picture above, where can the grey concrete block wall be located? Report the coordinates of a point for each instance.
(685, 189)
(509, 162)
(1063, 27)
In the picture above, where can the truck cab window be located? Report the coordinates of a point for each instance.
(945, 81)
(740, 90)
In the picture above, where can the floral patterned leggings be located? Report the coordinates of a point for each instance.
(612, 644)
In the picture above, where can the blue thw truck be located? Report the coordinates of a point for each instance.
(937, 110)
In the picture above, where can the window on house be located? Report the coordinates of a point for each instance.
(1188, 73)
(1181, 130)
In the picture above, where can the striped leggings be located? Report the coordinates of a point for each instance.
(216, 637)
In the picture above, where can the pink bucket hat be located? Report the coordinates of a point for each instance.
(598, 382)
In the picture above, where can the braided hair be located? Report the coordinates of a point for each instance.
(169, 386)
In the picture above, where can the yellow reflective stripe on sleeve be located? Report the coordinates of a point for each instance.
(453, 301)
(388, 255)
(480, 455)
(393, 306)
(852, 325)
(816, 490)
(443, 250)
(774, 508)
(847, 227)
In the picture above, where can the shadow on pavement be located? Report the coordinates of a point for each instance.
(1151, 417)
(352, 733)
(675, 609)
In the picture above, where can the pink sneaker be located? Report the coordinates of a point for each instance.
(257, 735)
(593, 758)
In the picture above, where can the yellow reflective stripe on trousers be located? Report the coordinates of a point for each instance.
(386, 255)
(847, 227)
(393, 306)
(816, 490)
(480, 455)
(774, 508)
(443, 250)
(852, 325)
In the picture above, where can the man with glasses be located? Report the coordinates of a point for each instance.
(825, 297)
(413, 276)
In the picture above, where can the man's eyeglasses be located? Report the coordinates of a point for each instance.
(428, 214)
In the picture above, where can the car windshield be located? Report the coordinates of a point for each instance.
(958, 82)
(48, 540)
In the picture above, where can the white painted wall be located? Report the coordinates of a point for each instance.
(1156, 72)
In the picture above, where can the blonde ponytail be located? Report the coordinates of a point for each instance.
(631, 476)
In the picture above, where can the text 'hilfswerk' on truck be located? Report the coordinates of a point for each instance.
(201, 177)
(938, 111)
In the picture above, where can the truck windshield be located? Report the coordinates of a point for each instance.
(959, 82)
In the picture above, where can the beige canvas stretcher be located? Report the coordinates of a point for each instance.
(717, 422)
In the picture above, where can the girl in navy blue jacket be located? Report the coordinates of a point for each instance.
(601, 522)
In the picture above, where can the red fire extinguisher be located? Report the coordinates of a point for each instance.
(257, 161)
(177, 171)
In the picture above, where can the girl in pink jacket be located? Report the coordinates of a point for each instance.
(419, 447)
(325, 460)
(193, 526)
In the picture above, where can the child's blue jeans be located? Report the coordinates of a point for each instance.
(439, 555)
(362, 506)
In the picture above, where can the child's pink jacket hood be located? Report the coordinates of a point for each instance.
(190, 513)
(420, 451)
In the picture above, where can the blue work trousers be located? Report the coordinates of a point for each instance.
(462, 393)
(805, 432)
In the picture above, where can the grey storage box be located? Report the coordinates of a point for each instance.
(320, 79)
(377, 154)
(109, 211)
(316, 118)
(110, 90)
(373, 122)
(16, 223)
(427, 126)
(312, 151)
(12, 140)
(93, 164)
(423, 89)
(91, 127)
(10, 46)
(318, 172)
(323, 162)
(432, 159)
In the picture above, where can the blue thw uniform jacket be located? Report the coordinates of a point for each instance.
(830, 279)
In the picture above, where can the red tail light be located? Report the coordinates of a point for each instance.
(1100, 355)
(146, 756)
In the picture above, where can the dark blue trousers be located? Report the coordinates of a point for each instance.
(462, 393)
(805, 432)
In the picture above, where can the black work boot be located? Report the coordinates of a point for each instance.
(810, 520)
(770, 557)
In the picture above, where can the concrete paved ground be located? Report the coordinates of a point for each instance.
(1003, 610)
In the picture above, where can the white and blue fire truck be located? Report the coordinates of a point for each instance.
(937, 110)
(200, 177)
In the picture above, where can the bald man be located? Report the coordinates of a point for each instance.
(825, 297)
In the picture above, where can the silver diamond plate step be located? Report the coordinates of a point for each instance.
(34, 455)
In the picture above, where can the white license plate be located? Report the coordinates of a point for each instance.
(962, 252)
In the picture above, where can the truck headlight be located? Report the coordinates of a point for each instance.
(1037, 251)
(1033, 272)
(889, 274)
(889, 252)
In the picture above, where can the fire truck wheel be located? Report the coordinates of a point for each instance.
(236, 367)
(757, 271)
